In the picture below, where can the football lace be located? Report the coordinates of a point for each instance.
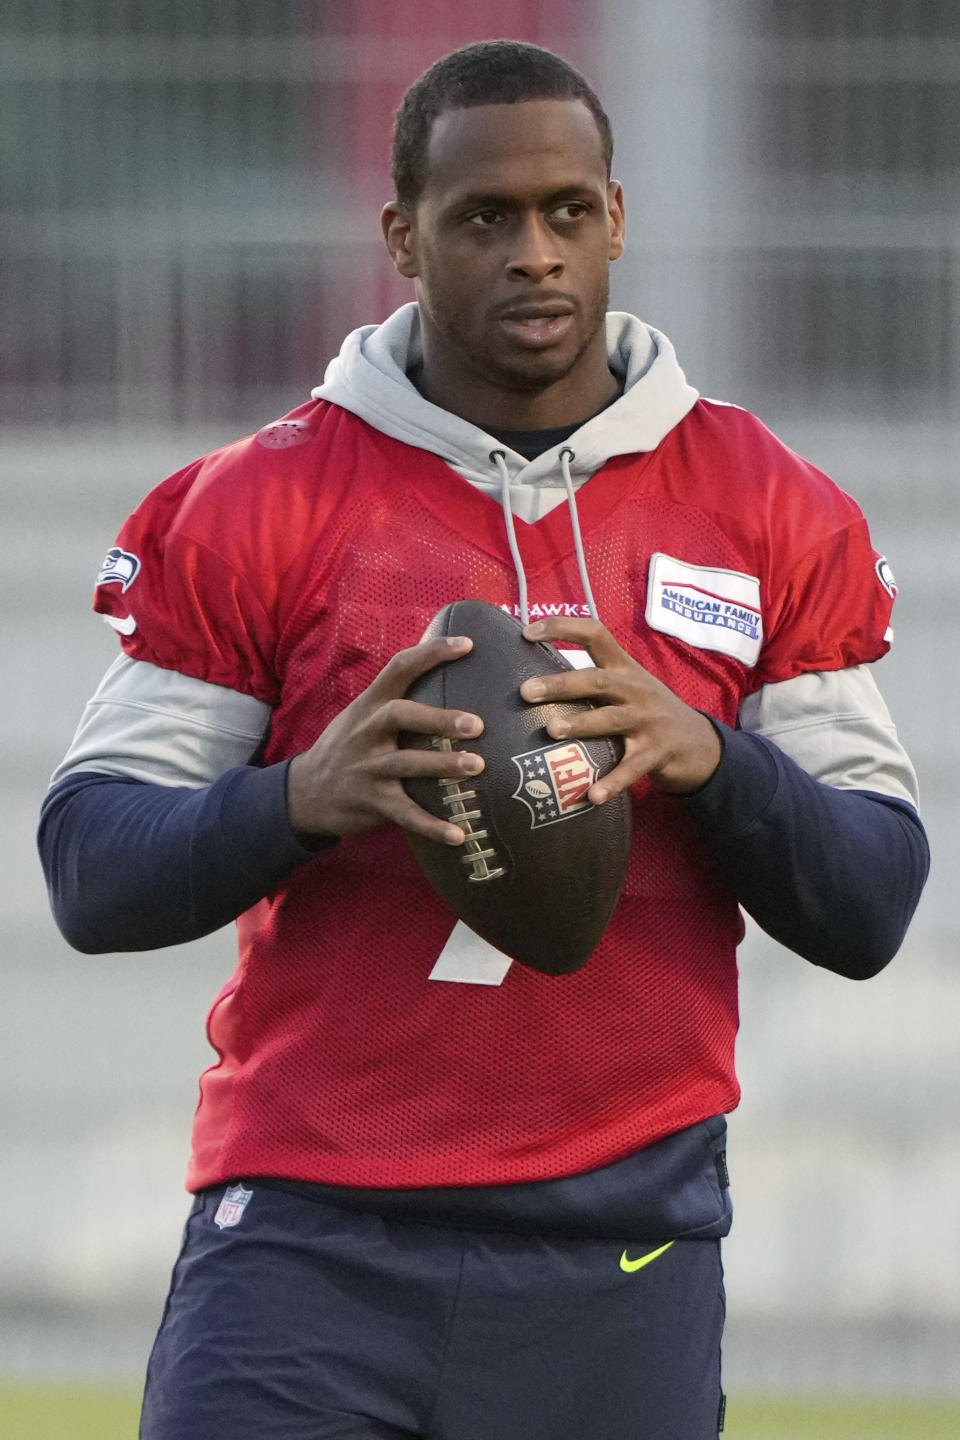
(454, 799)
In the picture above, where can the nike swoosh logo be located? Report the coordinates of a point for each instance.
(631, 1265)
(125, 624)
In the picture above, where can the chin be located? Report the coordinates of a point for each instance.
(534, 371)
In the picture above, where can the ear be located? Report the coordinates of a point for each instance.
(399, 232)
(617, 222)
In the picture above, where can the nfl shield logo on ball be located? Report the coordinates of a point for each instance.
(554, 782)
(230, 1211)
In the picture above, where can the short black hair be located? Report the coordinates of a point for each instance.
(492, 72)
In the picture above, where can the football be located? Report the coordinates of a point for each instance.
(542, 868)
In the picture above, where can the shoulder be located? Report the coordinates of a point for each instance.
(212, 558)
(262, 469)
(825, 596)
(760, 468)
(773, 500)
(256, 500)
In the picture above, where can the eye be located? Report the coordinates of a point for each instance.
(484, 219)
(572, 210)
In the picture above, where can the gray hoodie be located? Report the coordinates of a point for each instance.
(369, 378)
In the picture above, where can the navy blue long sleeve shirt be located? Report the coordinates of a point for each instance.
(834, 875)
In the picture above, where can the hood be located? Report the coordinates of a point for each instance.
(369, 378)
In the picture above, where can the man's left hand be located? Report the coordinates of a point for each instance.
(664, 738)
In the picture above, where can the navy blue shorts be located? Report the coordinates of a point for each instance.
(297, 1320)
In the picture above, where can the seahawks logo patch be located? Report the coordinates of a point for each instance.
(885, 576)
(119, 568)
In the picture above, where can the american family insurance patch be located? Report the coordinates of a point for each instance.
(709, 609)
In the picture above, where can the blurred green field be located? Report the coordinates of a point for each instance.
(60, 1412)
(84, 1413)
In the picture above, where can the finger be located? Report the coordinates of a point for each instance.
(594, 637)
(408, 665)
(431, 763)
(635, 764)
(593, 723)
(420, 719)
(598, 684)
(406, 813)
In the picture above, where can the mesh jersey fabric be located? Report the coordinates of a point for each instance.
(292, 572)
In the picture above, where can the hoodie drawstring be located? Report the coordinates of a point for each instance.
(566, 455)
(500, 460)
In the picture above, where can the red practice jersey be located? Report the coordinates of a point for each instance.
(290, 566)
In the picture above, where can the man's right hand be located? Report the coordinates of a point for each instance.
(351, 777)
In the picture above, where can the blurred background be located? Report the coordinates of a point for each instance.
(189, 198)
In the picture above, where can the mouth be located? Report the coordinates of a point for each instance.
(537, 325)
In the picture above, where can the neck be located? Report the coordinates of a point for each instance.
(494, 405)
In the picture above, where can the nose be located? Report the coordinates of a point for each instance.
(536, 253)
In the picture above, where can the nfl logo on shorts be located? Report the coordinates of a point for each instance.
(230, 1211)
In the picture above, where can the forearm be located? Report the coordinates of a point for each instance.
(834, 875)
(134, 866)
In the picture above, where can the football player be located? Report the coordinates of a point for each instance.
(437, 1193)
